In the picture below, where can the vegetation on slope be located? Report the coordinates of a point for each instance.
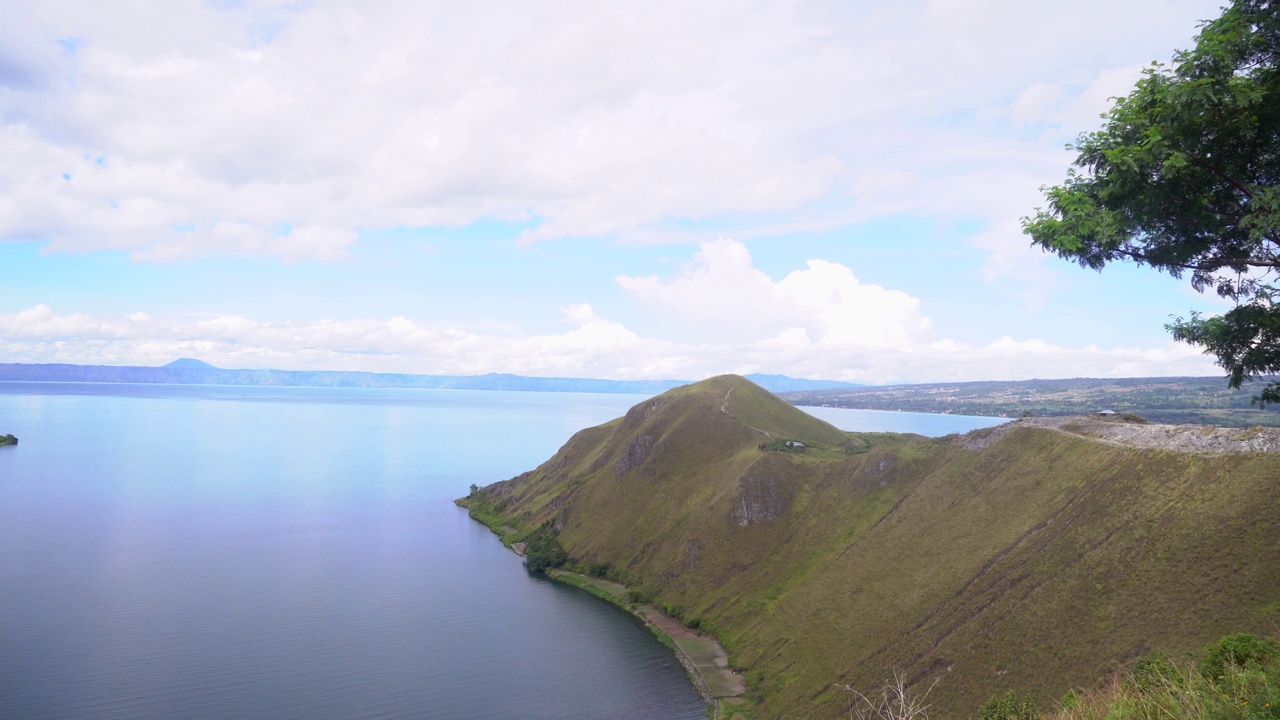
(1030, 559)
(8, 440)
(1235, 678)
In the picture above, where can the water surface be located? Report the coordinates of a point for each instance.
(927, 424)
(205, 552)
(197, 552)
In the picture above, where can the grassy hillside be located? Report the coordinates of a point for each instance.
(1034, 560)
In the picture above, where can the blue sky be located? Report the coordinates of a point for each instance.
(619, 190)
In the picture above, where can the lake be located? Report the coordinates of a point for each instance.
(208, 552)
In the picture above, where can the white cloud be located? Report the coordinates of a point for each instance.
(817, 322)
(593, 347)
(1036, 103)
(186, 128)
(724, 298)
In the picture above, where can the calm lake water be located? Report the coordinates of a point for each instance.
(218, 552)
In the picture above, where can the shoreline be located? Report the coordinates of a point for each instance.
(703, 658)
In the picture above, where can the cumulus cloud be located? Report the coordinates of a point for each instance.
(592, 347)
(817, 322)
(723, 297)
(186, 128)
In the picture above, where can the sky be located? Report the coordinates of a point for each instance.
(625, 190)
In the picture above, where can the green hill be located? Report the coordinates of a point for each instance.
(1024, 557)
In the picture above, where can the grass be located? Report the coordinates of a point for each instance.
(1042, 563)
(1158, 688)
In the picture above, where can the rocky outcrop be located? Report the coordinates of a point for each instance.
(634, 454)
(760, 499)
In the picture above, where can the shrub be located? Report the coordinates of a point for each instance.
(1153, 670)
(640, 597)
(542, 550)
(790, 445)
(1236, 678)
(1009, 707)
(1241, 650)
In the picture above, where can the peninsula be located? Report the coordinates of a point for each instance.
(1038, 556)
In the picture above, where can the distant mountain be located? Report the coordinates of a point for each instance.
(190, 363)
(189, 371)
(1022, 557)
(782, 383)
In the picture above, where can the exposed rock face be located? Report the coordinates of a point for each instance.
(759, 500)
(638, 414)
(635, 453)
(983, 438)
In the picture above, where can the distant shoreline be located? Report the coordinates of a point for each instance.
(195, 373)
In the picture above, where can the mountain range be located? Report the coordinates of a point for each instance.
(189, 371)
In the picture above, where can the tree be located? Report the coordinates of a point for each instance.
(542, 549)
(1182, 178)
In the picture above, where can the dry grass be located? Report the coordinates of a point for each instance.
(894, 701)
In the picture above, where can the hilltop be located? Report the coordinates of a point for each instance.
(1024, 557)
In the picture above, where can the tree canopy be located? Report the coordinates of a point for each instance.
(1182, 178)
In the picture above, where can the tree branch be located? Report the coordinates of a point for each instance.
(1216, 170)
(1135, 255)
